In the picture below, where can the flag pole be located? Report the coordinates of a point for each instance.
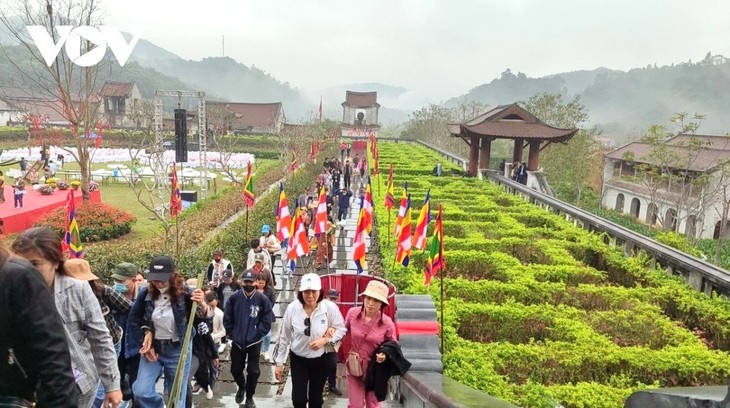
(443, 267)
(177, 239)
(246, 229)
(388, 227)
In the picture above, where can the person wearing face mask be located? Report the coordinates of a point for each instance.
(111, 302)
(247, 319)
(217, 266)
(157, 326)
(92, 351)
(125, 278)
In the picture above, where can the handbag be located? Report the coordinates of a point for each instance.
(354, 362)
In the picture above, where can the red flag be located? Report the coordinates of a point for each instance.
(97, 141)
(298, 243)
(403, 252)
(358, 254)
(404, 203)
(419, 237)
(283, 218)
(175, 200)
(320, 220)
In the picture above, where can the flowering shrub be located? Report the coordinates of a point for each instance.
(97, 221)
(76, 183)
(51, 181)
(46, 189)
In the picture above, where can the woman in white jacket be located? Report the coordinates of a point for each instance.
(304, 332)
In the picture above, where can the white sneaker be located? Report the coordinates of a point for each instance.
(221, 348)
(209, 393)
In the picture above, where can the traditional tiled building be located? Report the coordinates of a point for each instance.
(251, 118)
(360, 113)
(119, 100)
(627, 191)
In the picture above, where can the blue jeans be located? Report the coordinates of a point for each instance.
(168, 355)
(266, 342)
(101, 392)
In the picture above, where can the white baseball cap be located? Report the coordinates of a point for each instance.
(310, 281)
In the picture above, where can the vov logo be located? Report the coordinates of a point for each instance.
(70, 36)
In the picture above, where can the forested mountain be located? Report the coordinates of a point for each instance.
(622, 103)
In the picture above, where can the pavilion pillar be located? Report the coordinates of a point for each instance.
(474, 156)
(484, 153)
(517, 152)
(532, 162)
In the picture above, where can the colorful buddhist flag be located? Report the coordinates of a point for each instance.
(298, 244)
(358, 254)
(293, 166)
(175, 200)
(72, 238)
(389, 194)
(248, 196)
(436, 260)
(402, 209)
(403, 252)
(424, 217)
(283, 218)
(368, 207)
(320, 220)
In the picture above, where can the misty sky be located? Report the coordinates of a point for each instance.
(437, 49)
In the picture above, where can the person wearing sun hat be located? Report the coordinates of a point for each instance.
(368, 327)
(304, 332)
(112, 303)
(270, 243)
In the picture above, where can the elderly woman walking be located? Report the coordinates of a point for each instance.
(368, 328)
(304, 331)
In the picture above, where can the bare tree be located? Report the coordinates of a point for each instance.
(723, 210)
(69, 89)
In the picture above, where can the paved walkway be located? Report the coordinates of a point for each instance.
(270, 393)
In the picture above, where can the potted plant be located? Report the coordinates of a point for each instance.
(75, 184)
(51, 181)
(62, 185)
(46, 189)
(93, 186)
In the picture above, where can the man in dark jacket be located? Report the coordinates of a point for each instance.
(247, 319)
(33, 350)
(343, 203)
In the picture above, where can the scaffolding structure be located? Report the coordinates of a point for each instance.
(161, 178)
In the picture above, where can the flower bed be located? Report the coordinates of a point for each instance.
(542, 313)
(98, 221)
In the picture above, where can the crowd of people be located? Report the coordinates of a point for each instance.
(79, 342)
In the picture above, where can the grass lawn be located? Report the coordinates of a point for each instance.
(119, 194)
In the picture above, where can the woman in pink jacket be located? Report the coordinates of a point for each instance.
(368, 328)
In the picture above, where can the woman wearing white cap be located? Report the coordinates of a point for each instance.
(304, 332)
(368, 328)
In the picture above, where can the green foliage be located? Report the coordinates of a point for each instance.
(541, 313)
(98, 222)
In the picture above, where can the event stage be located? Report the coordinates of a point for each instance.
(35, 205)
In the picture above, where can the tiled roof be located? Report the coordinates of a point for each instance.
(116, 88)
(700, 160)
(709, 141)
(361, 99)
(510, 122)
(249, 115)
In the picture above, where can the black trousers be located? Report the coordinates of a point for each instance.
(342, 213)
(308, 376)
(332, 369)
(239, 359)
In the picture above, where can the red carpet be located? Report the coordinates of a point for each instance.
(35, 205)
